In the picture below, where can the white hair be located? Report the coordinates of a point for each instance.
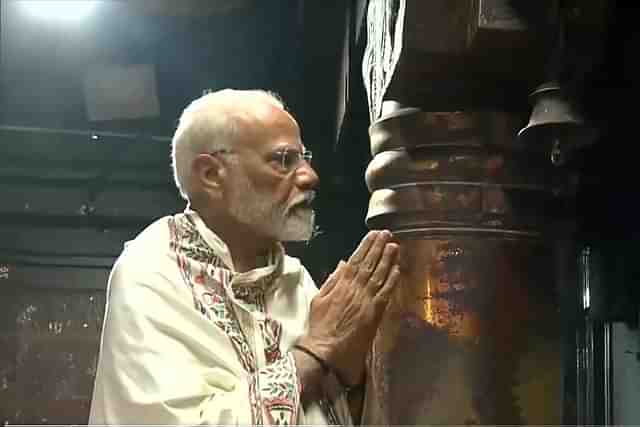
(208, 124)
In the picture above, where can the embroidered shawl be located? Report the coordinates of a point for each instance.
(187, 340)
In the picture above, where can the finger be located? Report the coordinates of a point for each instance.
(333, 279)
(371, 260)
(383, 269)
(381, 300)
(362, 249)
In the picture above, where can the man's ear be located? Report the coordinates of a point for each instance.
(208, 174)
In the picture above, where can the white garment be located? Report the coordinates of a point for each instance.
(187, 340)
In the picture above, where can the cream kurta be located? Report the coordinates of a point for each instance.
(187, 340)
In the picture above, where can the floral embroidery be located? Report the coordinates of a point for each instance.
(188, 240)
(271, 331)
(280, 392)
(253, 296)
(193, 256)
(274, 390)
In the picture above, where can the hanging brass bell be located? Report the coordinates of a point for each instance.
(555, 125)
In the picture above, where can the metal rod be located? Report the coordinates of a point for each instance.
(458, 230)
(608, 408)
(468, 184)
(86, 133)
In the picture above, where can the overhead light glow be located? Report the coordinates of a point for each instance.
(67, 10)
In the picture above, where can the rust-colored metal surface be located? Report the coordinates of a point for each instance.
(457, 173)
(472, 336)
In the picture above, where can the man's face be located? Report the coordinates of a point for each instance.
(258, 209)
(272, 200)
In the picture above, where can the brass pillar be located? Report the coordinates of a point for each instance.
(473, 334)
(483, 328)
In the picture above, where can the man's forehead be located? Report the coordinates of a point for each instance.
(268, 120)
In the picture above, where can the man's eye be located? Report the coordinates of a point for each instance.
(278, 158)
(289, 159)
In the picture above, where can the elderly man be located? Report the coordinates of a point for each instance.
(207, 320)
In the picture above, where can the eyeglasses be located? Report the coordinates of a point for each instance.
(290, 159)
(287, 159)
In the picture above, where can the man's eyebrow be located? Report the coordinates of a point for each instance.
(289, 146)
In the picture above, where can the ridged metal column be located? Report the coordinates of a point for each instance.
(473, 335)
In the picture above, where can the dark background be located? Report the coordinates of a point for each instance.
(68, 202)
(308, 52)
(66, 182)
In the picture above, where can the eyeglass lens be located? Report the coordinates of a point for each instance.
(293, 158)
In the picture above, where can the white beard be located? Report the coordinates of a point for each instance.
(258, 211)
(298, 225)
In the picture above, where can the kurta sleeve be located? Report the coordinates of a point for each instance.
(163, 362)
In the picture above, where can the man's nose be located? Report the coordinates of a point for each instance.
(306, 177)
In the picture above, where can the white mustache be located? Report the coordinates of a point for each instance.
(305, 198)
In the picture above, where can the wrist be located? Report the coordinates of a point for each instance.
(336, 382)
(311, 375)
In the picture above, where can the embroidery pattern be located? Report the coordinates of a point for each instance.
(187, 239)
(193, 255)
(273, 389)
(272, 332)
(253, 293)
(253, 296)
(254, 402)
(280, 391)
